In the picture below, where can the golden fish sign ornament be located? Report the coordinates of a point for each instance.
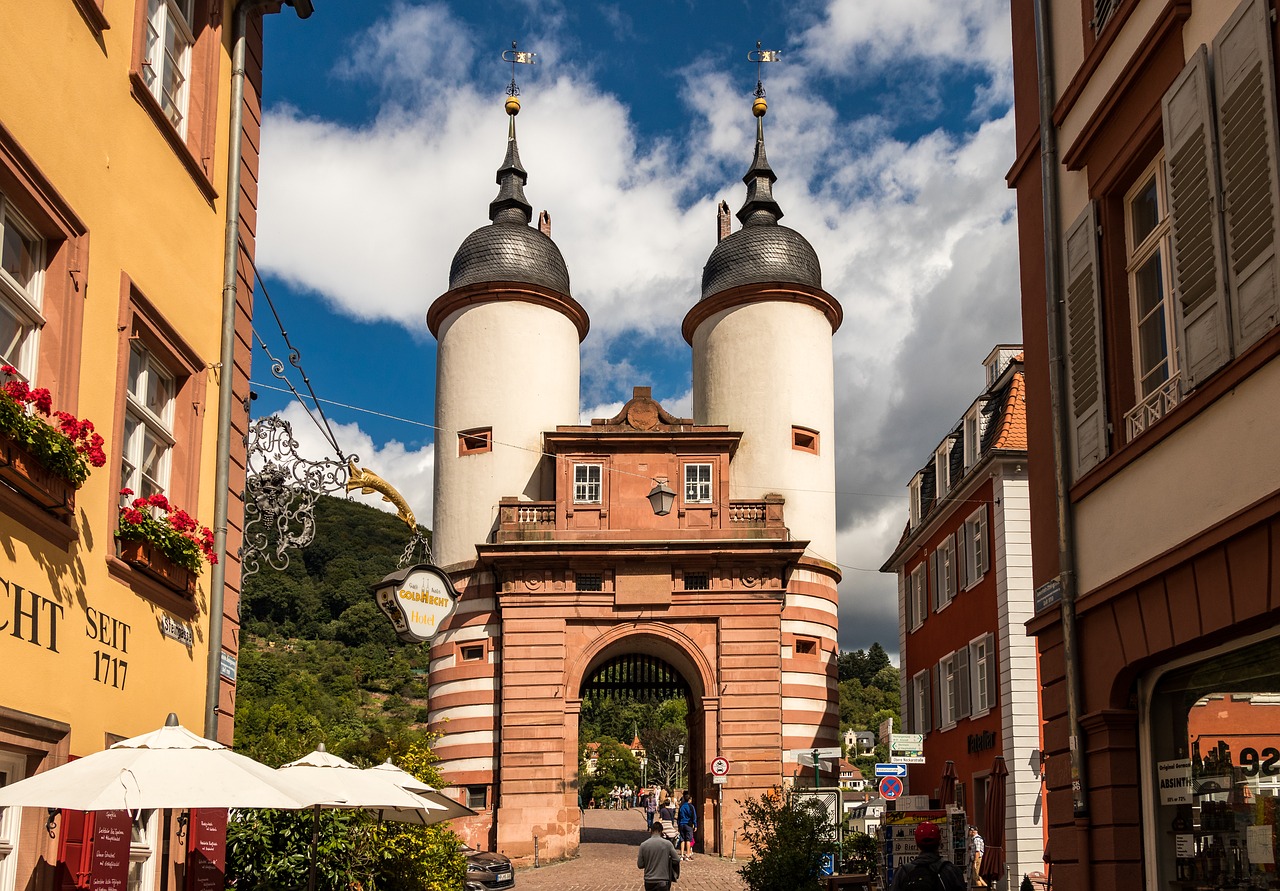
(417, 600)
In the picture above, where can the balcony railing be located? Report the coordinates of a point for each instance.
(537, 521)
(1157, 404)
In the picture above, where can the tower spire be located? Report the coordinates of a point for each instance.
(760, 208)
(510, 206)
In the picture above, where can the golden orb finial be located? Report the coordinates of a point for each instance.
(512, 105)
(759, 107)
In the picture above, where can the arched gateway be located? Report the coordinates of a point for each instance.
(563, 565)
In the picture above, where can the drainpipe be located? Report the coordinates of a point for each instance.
(226, 361)
(1058, 410)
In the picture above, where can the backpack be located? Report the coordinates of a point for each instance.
(923, 877)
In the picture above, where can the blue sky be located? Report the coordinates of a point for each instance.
(889, 127)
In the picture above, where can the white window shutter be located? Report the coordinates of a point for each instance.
(984, 560)
(1245, 89)
(1083, 329)
(964, 704)
(1199, 290)
(951, 568)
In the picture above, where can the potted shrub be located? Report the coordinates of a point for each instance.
(44, 454)
(163, 541)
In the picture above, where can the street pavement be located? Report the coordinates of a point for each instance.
(607, 861)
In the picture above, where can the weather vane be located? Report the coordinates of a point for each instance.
(760, 56)
(513, 56)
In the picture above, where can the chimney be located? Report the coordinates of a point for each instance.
(544, 223)
(723, 220)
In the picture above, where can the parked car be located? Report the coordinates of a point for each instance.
(487, 871)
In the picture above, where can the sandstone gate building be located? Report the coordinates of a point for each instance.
(563, 566)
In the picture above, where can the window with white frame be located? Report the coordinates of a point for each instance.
(1150, 290)
(954, 687)
(142, 860)
(974, 560)
(942, 468)
(21, 276)
(917, 503)
(166, 64)
(12, 768)
(586, 483)
(148, 424)
(972, 435)
(919, 704)
(942, 563)
(982, 673)
(917, 601)
(697, 483)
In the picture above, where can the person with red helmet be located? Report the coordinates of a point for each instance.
(930, 871)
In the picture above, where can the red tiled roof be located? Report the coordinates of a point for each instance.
(1012, 434)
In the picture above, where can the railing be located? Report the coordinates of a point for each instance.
(537, 521)
(538, 513)
(747, 513)
(1157, 404)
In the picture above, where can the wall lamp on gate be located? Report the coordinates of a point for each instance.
(661, 497)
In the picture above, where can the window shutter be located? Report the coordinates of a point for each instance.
(1083, 329)
(934, 587)
(909, 591)
(950, 558)
(984, 561)
(962, 555)
(75, 851)
(1245, 89)
(964, 703)
(1199, 293)
(993, 673)
(935, 698)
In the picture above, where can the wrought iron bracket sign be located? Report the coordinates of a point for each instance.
(417, 600)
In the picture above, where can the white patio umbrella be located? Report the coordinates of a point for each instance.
(406, 780)
(167, 768)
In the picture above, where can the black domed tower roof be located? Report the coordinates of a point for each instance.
(509, 249)
(761, 251)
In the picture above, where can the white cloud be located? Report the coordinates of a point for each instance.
(916, 236)
(410, 472)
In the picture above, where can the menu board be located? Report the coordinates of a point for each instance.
(109, 868)
(207, 850)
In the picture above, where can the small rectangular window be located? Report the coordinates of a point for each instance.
(478, 797)
(589, 581)
(696, 581)
(804, 440)
(697, 483)
(586, 483)
(475, 441)
(806, 646)
(472, 652)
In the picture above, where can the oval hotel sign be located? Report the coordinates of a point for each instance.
(416, 600)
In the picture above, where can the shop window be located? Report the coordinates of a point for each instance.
(471, 652)
(804, 440)
(474, 442)
(587, 483)
(1213, 729)
(588, 581)
(12, 768)
(697, 483)
(478, 797)
(696, 581)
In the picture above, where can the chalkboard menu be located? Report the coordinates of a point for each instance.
(109, 868)
(207, 850)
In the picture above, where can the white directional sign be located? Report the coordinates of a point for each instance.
(891, 770)
(720, 767)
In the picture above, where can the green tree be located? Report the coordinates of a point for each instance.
(789, 834)
(615, 766)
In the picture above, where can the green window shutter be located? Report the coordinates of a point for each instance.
(1086, 399)
(1245, 90)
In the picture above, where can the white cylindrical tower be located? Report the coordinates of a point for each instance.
(762, 360)
(507, 366)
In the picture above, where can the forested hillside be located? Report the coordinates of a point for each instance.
(318, 659)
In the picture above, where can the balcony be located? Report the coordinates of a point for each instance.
(526, 521)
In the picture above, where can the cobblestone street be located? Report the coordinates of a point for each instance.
(608, 861)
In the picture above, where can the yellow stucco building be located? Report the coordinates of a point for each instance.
(116, 130)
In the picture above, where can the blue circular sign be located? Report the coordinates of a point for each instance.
(890, 787)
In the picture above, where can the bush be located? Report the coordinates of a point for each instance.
(789, 835)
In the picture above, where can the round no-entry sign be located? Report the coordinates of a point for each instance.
(720, 767)
(890, 788)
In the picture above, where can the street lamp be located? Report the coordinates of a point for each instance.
(679, 767)
(661, 497)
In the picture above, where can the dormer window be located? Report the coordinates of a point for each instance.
(972, 435)
(917, 505)
(942, 468)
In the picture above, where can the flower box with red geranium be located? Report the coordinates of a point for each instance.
(163, 541)
(46, 460)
